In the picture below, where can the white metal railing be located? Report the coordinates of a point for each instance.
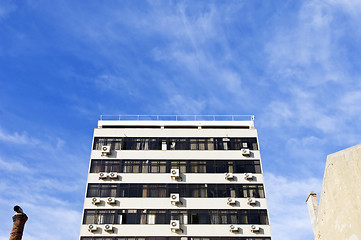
(177, 117)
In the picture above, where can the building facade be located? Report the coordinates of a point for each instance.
(171, 178)
(338, 215)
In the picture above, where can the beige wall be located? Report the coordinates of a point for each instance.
(339, 212)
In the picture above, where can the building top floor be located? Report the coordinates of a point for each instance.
(177, 121)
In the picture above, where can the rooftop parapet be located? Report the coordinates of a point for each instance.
(176, 117)
(176, 120)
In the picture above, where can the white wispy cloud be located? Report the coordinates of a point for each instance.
(185, 104)
(194, 43)
(287, 206)
(178, 37)
(13, 166)
(44, 179)
(199, 47)
(61, 219)
(349, 104)
(45, 215)
(17, 138)
(305, 49)
(6, 8)
(316, 110)
(311, 71)
(109, 82)
(292, 67)
(351, 7)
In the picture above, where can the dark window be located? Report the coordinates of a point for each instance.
(114, 143)
(164, 216)
(185, 166)
(129, 143)
(141, 144)
(194, 219)
(184, 190)
(218, 144)
(99, 216)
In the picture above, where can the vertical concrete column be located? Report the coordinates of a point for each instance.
(19, 220)
(312, 205)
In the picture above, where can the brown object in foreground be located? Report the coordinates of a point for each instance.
(19, 220)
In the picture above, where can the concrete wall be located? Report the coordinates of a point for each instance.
(339, 212)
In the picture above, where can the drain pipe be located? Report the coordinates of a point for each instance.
(19, 220)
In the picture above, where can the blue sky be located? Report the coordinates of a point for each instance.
(295, 65)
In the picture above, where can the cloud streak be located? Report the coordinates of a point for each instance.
(295, 66)
(6, 8)
(17, 138)
(50, 200)
(286, 198)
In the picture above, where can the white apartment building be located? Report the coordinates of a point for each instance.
(175, 178)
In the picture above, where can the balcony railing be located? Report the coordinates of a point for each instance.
(176, 117)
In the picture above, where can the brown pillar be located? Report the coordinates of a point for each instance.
(19, 220)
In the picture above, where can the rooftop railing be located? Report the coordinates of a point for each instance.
(176, 117)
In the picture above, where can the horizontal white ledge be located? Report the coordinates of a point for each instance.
(165, 203)
(201, 230)
(175, 133)
(176, 120)
(210, 178)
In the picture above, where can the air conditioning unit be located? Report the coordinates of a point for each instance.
(233, 228)
(254, 228)
(174, 173)
(108, 228)
(106, 150)
(95, 200)
(175, 225)
(248, 176)
(231, 201)
(113, 175)
(245, 152)
(251, 201)
(92, 227)
(228, 176)
(244, 145)
(111, 200)
(103, 175)
(174, 198)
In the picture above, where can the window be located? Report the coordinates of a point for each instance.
(185, 166)
(184, 190)
(114, 143)
(164, 216)
(99, 217)
(194, 219)
(129, 143)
